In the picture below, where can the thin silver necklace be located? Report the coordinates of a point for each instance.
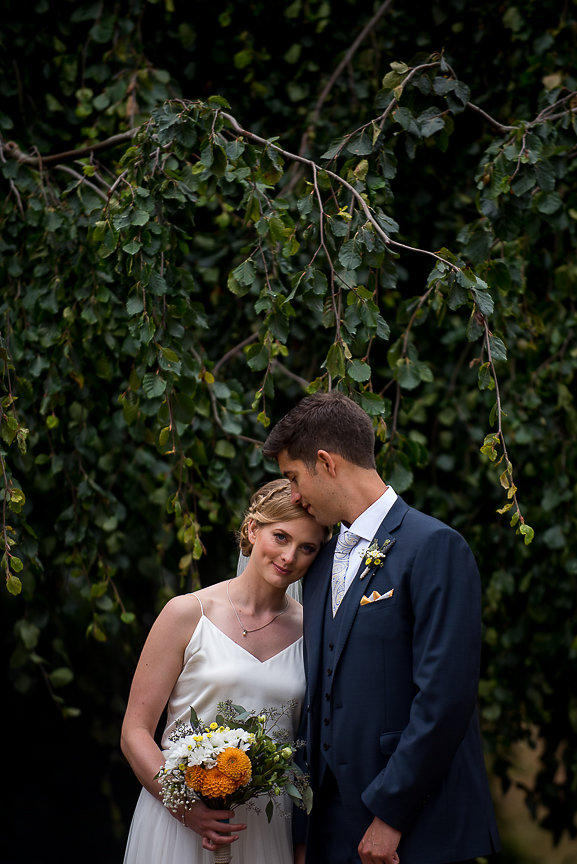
(246, 630)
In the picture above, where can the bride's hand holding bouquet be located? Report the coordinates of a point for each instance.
(229, 762)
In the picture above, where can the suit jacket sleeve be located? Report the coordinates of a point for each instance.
(444, 589)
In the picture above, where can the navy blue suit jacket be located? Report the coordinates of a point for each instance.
(404, 737)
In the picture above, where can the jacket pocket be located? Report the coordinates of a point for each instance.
(383, 603)
(388, 742)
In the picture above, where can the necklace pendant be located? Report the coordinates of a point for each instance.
(243, 629)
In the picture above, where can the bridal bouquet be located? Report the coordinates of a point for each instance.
(230, 761)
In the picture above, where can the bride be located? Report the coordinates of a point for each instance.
(240, 640)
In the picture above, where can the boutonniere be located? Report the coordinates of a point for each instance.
(375, 556)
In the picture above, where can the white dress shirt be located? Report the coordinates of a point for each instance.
(365, 526)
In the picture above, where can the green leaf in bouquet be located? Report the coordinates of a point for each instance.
(307, 797)
(292, 791)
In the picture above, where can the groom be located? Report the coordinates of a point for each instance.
(392, 647)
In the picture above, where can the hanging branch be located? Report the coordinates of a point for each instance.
(498, 438)
(314, 167)
(12, 498)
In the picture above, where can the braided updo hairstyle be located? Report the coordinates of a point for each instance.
(271, 503)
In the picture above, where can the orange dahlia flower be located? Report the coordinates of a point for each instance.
(193, 777)
(234, 763)
(215, 784)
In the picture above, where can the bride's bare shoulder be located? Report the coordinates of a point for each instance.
(184, 609)
(211, 598)
(196, 602)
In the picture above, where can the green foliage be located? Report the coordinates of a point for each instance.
(181, 270)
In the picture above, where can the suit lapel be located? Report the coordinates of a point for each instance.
(352, 599)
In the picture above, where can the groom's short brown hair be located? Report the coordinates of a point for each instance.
(324, 421)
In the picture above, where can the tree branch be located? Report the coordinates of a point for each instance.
(341, 66)
(14, 151)
(82, 180)
(294, 157)
(498, 126)
(232, 353)
(315, 116)
(278, 367)
(511, 487)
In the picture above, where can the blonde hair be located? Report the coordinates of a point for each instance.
(271, 503)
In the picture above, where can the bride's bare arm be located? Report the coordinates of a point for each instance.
(157, 671)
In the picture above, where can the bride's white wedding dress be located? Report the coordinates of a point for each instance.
(215, 669)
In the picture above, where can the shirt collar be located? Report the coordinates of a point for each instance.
(367, 524)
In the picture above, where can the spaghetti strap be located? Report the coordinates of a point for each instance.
(200, 601)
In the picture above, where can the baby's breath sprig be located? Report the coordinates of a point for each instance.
(239, 756)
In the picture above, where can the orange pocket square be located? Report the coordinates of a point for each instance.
(376, 596)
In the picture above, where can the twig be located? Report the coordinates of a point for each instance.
(549, 117)
(545, 113)
(414, 71)
(327, 253)
(118, 180)
(499, 126)
(500, 432)
(313, 122)
(369, 26)
(521, 151)
(278, 367)
(15, 152)
(82, 180)
(358, 197)
(343, 64)
(233, 352)
(214, 404)
(422, 300)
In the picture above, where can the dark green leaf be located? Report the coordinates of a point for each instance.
(349, 255)
(358, 370)
(153, 385)
(498, 348)
(335, 361)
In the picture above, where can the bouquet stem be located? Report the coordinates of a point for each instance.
(222, 855)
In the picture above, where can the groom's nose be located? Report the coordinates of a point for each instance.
(295, 495)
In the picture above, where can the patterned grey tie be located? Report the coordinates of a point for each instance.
(345, 542)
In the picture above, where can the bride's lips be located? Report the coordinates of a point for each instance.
(282, 570)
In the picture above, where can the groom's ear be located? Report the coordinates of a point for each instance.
(327, 462)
